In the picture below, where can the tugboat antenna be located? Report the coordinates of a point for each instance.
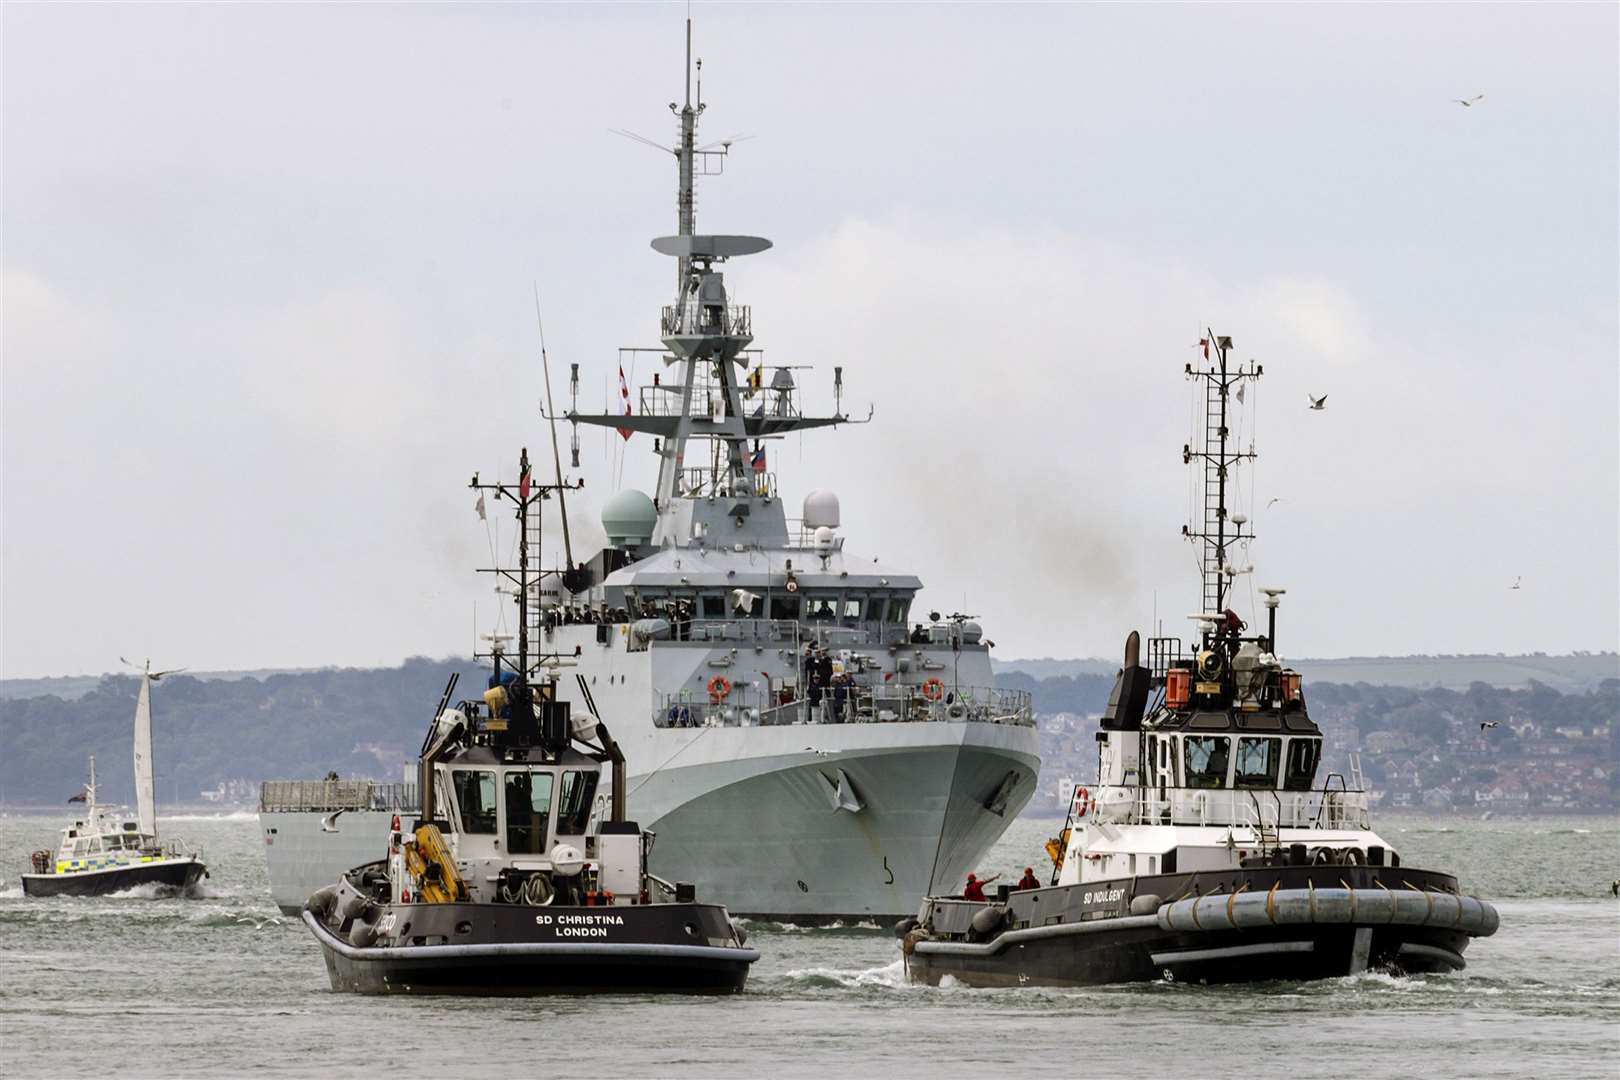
(1217, 529)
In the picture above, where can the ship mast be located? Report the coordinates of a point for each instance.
(1218, 530)
(525, 496)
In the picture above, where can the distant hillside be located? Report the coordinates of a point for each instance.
(208, 731)
(1575, 673)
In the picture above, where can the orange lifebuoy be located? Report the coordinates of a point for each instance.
(933, 689)
(719, 688)
(1082, 802)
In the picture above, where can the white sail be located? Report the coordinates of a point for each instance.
(145, 810)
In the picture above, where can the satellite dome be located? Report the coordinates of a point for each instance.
(821, 509)
(824, 539)
(972, 633)
(629, 518)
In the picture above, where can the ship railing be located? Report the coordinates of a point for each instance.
(1265, 810)
(692, 317)
(280, 796)
(746, 705)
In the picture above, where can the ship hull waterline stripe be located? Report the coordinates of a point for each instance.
(1191, 956)
(429, 953)
(1037, 933)
(155, 864)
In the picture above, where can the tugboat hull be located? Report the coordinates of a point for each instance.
(515, 950)
(176, 874)
(1269, 926)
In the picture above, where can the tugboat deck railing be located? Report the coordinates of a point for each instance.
(1265, 810)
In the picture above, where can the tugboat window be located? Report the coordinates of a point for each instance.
(528, 806)
(1257, 761)
(1301, 771)
(574, 806)
(1207, 758)
(475, 797)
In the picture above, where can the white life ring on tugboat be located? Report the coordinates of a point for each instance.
(932, 688)
(1082, 802)
(719, 688)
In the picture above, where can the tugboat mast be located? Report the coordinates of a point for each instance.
(1218, 529)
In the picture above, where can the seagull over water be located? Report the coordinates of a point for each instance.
(1516, 581)
(1468, 103)
(1483, 724)
(329, 822)
(1317, 403)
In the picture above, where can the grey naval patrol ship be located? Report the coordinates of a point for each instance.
(800, 740)
(1207, 849)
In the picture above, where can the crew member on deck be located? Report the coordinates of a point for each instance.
(1028, 881)
(974, 889)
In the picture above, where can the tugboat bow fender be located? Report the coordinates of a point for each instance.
(621, 950)
(1304, 907)
(1037, 933)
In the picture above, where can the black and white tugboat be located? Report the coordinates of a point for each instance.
(1208, 849)
(518, 878)
(106, 850)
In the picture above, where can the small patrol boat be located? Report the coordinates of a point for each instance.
(1208, 850)
(519, 877)
(107, 850)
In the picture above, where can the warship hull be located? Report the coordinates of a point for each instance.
(178, 875)
(1249, 927)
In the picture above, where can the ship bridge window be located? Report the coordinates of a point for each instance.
(899, 608)
(1257, 761)
(852, 608)
(574, 804)
(821, 607)
(1303, 756)
(1207, 758)
(475, 798)
(528, 810)
(785, 607)
(714, 606)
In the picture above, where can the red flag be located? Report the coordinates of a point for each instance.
(624, 399)
(1204, 341)
(523, 485)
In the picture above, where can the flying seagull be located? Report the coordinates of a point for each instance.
(1468, 103)
(1317, 403)
(1483, 724)
(1274, 502)
(155, 675)
(1516, 581)
(329, 822)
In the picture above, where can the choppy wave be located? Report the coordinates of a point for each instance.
(768, 926)
(890, 976)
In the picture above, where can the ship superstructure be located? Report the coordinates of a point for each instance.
(801, 740)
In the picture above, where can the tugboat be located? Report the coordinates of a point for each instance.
(519, 878)
(1207, 850)
(106, 850)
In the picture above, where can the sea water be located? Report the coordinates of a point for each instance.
(220, 984)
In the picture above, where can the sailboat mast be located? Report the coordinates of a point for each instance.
(145, 806)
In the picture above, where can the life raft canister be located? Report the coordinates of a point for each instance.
(933, 689)
(1082, 802)
(719, 688)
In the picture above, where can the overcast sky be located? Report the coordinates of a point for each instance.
(268, 273)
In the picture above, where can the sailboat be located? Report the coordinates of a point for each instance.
(106, 850)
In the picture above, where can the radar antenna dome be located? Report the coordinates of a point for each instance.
(629, 518)
(821, 510)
